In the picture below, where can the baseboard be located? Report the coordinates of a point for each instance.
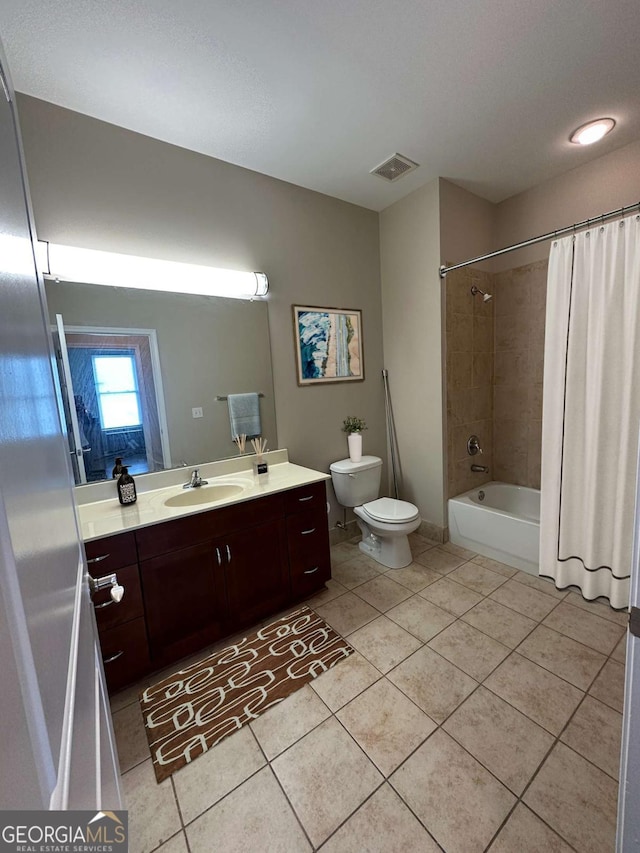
(343, 534)
(433, 532)
(426, 529)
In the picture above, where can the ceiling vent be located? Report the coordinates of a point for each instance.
(395, 167)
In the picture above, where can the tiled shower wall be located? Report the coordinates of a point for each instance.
(520, 297)
(494, 375)
(469, 341)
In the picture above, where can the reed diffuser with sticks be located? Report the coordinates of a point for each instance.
(260, 466)
(240, 440)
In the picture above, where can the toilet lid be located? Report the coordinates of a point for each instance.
(391, 510)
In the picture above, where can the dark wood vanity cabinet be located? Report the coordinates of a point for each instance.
(193, 580)
(185, 602)
(121, 626)
(256, 572)
(307, 540)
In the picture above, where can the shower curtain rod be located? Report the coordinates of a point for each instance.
(550, 236)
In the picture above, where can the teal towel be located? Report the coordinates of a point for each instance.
(244, 414)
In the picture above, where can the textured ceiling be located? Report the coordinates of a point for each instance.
(483, 93)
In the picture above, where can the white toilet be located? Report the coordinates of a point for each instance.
(385, 522)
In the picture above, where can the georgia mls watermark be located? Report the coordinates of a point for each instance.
(63, 832)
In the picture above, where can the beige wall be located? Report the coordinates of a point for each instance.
(99, 186)
(412, 305)
(467, 225)
(610, 182)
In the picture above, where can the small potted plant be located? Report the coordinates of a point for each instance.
(353, 427)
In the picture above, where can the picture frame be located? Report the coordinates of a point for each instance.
(328, 343)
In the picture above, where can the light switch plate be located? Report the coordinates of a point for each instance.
(197, 412)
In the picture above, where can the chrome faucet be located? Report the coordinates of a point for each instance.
(196, 481)
(480, 469)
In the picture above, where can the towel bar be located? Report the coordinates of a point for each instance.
(260, 394)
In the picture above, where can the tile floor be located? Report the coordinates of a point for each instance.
(480, 711)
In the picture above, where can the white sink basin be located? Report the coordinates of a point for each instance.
(204, 495)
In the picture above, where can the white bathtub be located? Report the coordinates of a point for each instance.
(498, 521)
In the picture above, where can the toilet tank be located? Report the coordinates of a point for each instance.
(356, 483)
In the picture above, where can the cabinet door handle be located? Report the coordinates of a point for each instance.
(311, 571)
(104, 604)
(112, 658)
(219, 557)
(228, 553)
(308, 498)
(306, 532)
(98, 559)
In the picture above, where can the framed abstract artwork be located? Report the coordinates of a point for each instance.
(328, 344)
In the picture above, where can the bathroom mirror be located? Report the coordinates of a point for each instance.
(147, 368)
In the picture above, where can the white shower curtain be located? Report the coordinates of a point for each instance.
(591, 410)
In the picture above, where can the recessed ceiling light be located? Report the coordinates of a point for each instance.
(592, 131)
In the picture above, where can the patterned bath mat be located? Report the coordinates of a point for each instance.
(195, 708)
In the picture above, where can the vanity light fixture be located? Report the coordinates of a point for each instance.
(592, 131)
(68, 263)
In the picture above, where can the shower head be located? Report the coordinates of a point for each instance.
(486, 297)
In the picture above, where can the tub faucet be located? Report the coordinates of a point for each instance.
(480, 469)
(196, 481)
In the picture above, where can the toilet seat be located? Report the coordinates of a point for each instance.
(391, 511)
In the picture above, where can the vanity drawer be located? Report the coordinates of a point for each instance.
(310, 577)
(113, 552)
(110, 613)
(309, 557)
(312, 497)
(307, 536)
(125, 653)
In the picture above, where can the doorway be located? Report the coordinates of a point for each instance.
(113, 401)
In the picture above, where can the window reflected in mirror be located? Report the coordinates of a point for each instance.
(134, 365)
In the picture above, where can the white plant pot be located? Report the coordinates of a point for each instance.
(355, 446)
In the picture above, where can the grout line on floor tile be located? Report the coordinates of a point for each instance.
(517, 803)
(175, 796)
(287, 748)
(478, 683)
(348, 818)
(230, 791)
(359, 693)
(186, 840)
(556, 741)
(279, 784)
(381, 772)
(486, 597)
(386, 779)
(584, 610)
(566, 637)
(584, 757)
(588, 760)
(402, 799)
(137, 764)
(528, 785)
(290, 804)
(167, 840)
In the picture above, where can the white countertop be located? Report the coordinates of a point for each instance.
(108, 517)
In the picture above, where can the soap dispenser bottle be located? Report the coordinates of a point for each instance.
(126, 487)
(117, 468)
